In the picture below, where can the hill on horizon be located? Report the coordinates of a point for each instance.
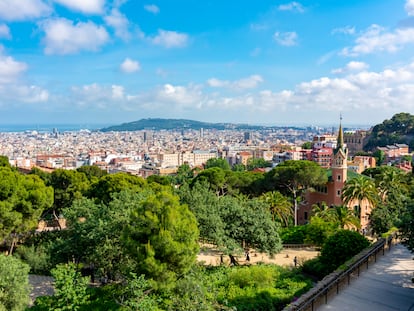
(171, 124)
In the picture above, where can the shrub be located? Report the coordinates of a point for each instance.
(342, 246)
(14, 284)
(293, 235)
(38, 258)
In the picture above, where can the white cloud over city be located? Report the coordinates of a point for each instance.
(13, 10)
(84, 6)
(286, 38)
(130, 66)
(63, 36)
(170, 39)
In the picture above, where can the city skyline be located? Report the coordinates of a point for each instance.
(263, 62)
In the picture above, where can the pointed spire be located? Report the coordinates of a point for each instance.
(340, 139)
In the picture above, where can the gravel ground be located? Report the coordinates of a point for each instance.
(41, 286)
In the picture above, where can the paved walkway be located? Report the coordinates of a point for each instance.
(385, 286)
(41, 286)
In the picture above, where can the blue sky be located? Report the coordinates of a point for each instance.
(260, 62)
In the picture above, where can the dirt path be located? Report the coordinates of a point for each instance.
(41, 286)
(210, 256)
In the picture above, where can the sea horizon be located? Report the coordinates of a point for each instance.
(45, 127)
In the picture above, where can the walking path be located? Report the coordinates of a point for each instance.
(385, 286)
(41, 286)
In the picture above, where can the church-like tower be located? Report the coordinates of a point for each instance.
(339, 166)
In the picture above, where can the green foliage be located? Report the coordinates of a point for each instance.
(134, 296)
(4, 161)
(318, 230)
(184, 174)
(407, 226)
(158, 179)
(238, 168)
(279, 206)
(316, 268)
(217, 162)
(228, 222)
(23, 198)
(342, 246)
(399, 129)
(254, 163)
(360, 189)
(293, 235)
(70, 288)
(38, 257)
(292, 176)
(307, 145)
(264, 287)
(68, 186)
(115, 183)
(161, 236)
(92, 172)
(14, 284)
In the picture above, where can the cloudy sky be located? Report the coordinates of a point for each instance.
(260, 62)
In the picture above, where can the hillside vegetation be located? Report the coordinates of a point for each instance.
(398, 130)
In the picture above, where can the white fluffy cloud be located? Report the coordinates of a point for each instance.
(347, 30)
(84, 6)
(129, 66)
(170, 39)
(242, 84)
(357, 93)
(10, 69)
(120, 23)
(286, 38)
(409, 7)
(4, 31)
(64, 37)
(17, 10)
(377, 39)
(292, 6)
(152, 8)
(351, 66)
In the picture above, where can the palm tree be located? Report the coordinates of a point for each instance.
(359, 189)
(344, 217)
(339, 214)
(279, 206)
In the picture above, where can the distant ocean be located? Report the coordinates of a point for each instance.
(50, 127)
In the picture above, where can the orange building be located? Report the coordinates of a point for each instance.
(330, 194)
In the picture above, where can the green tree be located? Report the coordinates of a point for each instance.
(293, 177)
(342, 246)
(14, 284)
(161, 236)
(341, 215)
(254, 163)
(217, 162)
(184, 174)
(4, 161)
(134, 296)
(279, 206)
(232, 222)
(92, 172)
(70, 288)
(407, 226)
(215, 177)
(238, 167)
(359, 189)
(23, 198)
(68, 185)
(114, 183)
(307, 145)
